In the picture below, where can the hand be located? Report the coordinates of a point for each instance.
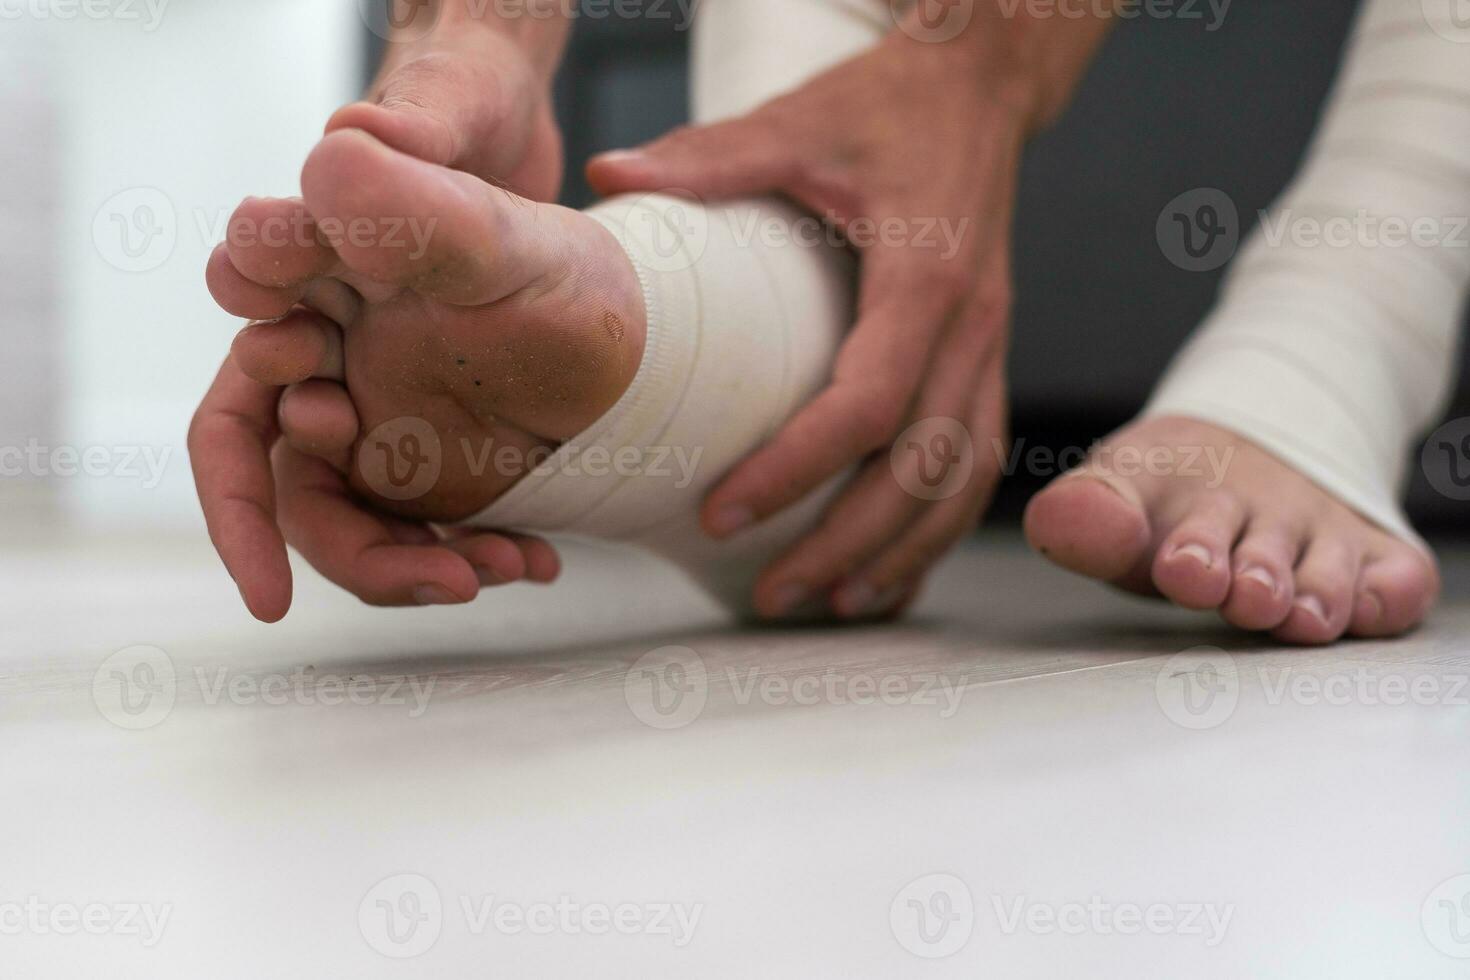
(253, 485)
(473, 96)
(923, 140)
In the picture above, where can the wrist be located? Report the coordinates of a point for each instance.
(536, 30)
(1029, 61)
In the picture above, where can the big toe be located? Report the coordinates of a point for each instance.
(1395, 592)
(1092, 525)
(396, 219)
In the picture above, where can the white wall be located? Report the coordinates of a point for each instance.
(164, 127)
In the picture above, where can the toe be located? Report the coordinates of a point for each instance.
(396, 219)
(1092, 525)
(1261, 583)
(1192, 566)
(1325, 580)
(303, 345)
(243, 297)
(1396, 590)
(275, 242)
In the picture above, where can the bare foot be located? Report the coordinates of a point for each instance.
(504, 325)
(1213, 522)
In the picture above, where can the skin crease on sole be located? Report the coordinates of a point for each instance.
(1252, 538)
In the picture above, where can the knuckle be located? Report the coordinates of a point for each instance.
(877, 420)
(991, 306)
(947, 281)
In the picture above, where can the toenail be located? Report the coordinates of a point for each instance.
(1260, 576)
(728, 520)
(1198, 552)
(1313, 607)
(855, 599)
(1370, 608)
(488, 576)
(619, 156)
(1123, 490)
(433, 595)
(788, 597)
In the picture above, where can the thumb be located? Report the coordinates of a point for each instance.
(748, 155)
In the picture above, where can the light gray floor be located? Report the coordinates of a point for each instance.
(1033, 777)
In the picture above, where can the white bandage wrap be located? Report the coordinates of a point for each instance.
(1335, 339)
(746, 304)
(740, 334)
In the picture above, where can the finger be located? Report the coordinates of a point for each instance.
(497, 560)
(274, 242)
(866, 515)
(543, 565)
(874, 380)
(939, 527)
(303, 344)
(880, 509)
(229, 449)
(888, 496)
(742, 156)
(355, 548)
(318, 419)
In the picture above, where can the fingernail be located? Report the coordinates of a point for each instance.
(489, 576)
(619, 156)
(788, 597)
(1198, 552)
(1370, 609)
(855, 599)
(1313, 607)
(434, 595)
(1259, 575)
(729, 519)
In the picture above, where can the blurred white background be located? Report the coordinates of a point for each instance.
(133, 128)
